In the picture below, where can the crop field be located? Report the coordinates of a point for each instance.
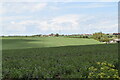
(40, 42)
(53, 57)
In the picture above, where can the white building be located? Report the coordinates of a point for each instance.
(115, 41)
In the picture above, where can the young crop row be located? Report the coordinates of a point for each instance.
(57, 62)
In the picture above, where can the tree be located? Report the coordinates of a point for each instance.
(51, 34)
(85, 36)
(104, 39)
(56, 34)
(101, 37)
(98, 35)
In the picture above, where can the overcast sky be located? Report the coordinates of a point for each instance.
(26, 18)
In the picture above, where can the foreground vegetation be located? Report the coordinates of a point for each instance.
(55, 57)
(103, 70)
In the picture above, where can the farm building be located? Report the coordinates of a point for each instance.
(115, 41)
(116, 33)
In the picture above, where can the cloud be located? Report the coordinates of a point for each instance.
(53, 7)
(23, 7)
(37, 7)
(15, 18)
(107, 24)
(66, 22)
(1, 9)
(87, 5)
(59, 0)
(55, 17)
(14, 27)
(66, 18)
(31, 7)
(71, 23)
(95, 5)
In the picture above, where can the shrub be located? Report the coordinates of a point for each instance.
(103, 70)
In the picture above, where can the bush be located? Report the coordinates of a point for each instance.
(104, 39)
(103, 70)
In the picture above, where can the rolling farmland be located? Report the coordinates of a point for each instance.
(40, 42)
(54, 57)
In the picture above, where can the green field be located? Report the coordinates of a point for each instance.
(39, 42)
(51, 57)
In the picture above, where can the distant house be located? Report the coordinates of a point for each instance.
(116, 33)
(51, 34)
(117, 40)
(114, 41)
